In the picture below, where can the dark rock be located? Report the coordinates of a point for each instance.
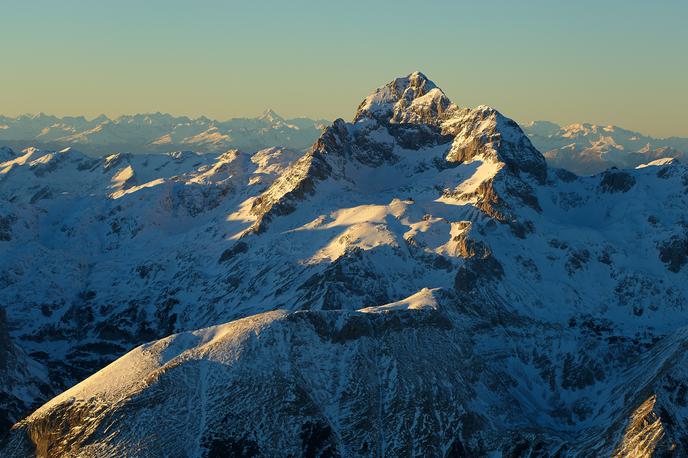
(577, 260)
(5, 343)
(229, 253)
(6, 223)
(565, 176)
(674, 252)
(616, 181)
(232, 448)
(318, 441)
(477, 271)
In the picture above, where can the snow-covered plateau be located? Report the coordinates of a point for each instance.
(418, 283)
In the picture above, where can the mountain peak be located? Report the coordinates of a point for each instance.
(270, 116)
(413, 99)
(485, 131)
(99, 119)
(482, 131)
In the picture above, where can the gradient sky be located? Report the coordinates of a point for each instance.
(611, 61)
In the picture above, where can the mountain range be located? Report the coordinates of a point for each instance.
(584, 149)
(419, 282)
(157, 132)
(587, 149)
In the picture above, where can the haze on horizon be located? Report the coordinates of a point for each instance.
(617, 62)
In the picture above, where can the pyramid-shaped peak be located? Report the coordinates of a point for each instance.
(413, 99)
(270, 115)
(418, 79)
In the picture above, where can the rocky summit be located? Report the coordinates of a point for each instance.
(417, 283)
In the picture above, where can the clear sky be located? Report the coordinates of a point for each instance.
(603, 61)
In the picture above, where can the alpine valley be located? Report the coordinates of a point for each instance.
(418, 283)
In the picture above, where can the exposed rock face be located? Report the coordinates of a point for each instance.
(300, 179)
(617, 181)
(486, 132)
(416, 283)
(643, 433)
(410, 100)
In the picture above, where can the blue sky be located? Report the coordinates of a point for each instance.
(620, 62)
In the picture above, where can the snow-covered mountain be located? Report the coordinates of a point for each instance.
(418, 283)
(587, 149)
(584, 149)
(158, 132)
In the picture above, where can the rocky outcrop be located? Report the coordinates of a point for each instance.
(674, 252)
(616, 181)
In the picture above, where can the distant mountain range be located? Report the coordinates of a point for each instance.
(158, 132)
(584, 149)
(419, 282)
